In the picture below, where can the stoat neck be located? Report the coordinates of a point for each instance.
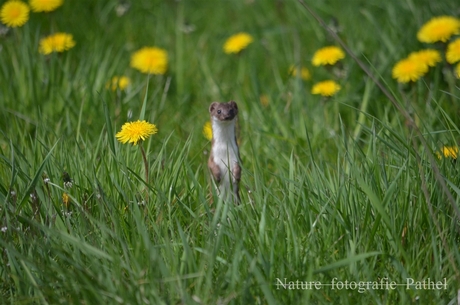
(223, 131)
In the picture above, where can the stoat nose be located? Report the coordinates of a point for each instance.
(230, 116)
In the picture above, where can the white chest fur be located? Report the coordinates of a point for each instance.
(224, 148)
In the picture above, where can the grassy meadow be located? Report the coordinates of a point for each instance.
(352, 188)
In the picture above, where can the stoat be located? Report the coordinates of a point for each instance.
(224, 157)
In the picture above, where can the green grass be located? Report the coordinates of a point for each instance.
(332, 189)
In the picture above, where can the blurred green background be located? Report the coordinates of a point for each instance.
(338, 187)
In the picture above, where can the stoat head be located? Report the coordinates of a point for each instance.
(223, 111)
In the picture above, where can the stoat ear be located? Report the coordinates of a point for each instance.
(212, 106)
(234, 104)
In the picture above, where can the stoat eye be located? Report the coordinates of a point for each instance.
(219, 111)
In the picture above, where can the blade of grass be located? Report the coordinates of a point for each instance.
(35, 179)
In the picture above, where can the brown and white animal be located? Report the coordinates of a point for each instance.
(224, 159)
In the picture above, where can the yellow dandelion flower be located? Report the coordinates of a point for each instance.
(65, 199)
(453, 51)
(428, 57)
(150, 60)
(58, 42)
(327, 56)
(133, 132)
(123, 82)
(439, 29)
(264, 100)
(14, 13)
(457, 70)
(237, 43)
(407, 70)
(302, 71)
(118, 82)
(448, 152)
(45, 5)
(326, 88)
(207, 130)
